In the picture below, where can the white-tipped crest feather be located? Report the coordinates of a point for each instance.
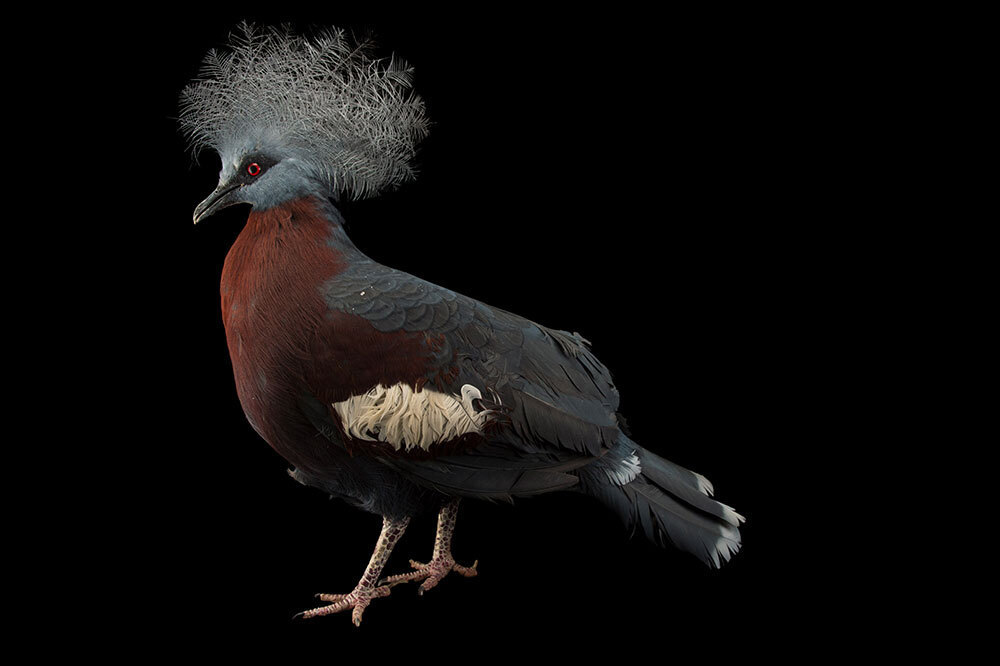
(324, 99)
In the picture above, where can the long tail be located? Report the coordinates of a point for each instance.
(671, 504)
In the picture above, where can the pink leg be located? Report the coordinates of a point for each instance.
(367, 588)
(442, 563)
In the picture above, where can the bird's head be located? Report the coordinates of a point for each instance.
(292, 116)
(263, 175)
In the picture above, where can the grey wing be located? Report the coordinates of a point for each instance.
(557, 400)
(559, 395)
(392, 300)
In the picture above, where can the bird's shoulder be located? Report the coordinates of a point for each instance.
(393, 301)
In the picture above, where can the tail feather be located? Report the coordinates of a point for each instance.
(665, 520)
(676, 480)
(670, 504)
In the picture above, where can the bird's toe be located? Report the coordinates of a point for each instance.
(431, 573)
(357, 600)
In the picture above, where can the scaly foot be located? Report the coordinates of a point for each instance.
(431, 573)
(367, 588)
(358, 599)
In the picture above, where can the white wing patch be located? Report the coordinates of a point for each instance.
(409, 419)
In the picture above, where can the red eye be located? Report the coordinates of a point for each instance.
(253, 169)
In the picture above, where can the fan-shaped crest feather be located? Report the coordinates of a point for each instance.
(325, 99)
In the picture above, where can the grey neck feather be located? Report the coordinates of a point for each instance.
(338, 236)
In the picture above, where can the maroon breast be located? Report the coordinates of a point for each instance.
(272, 307)
(284, 340)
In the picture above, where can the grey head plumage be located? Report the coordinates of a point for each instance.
(324, 103)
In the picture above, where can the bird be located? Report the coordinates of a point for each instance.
(396, 395)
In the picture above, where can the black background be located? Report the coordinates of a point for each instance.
(640, 179)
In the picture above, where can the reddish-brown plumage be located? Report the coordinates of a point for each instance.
(284, 340)
(270, 304)
(361, 357)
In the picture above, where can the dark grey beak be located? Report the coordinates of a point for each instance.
(222, 197)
